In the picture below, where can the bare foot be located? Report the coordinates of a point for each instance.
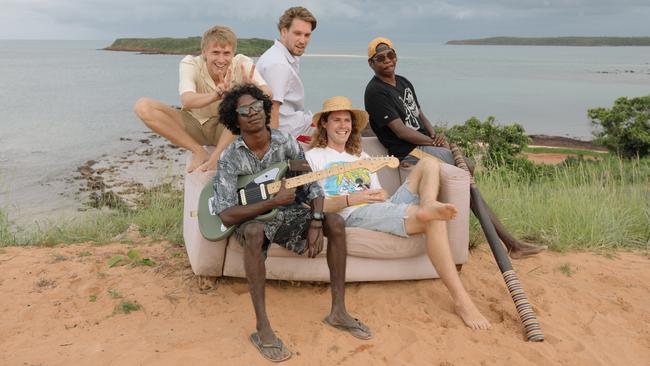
(471, 315)
(524, 250)
(197, 159)
(436, 211)
(211, 164)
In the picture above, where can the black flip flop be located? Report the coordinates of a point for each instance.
(277, 344)
(358, 330)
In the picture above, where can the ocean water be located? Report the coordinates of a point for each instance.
(66, 102)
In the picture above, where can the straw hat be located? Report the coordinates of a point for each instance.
(372, 45)
(340, 103)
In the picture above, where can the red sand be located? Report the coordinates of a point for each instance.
(596, 313)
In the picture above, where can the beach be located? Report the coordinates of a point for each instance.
(60, 306)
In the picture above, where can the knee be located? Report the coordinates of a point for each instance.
(429, 165)
(334, 225)
(253, 236)
(143, 108)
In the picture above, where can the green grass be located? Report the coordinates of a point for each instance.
(159, 215)
(114, 294)
(565, 269)
(252, 47)
(126, 307)
(578, 205)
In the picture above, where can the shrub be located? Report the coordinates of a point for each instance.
(625, 128)
(495, 144)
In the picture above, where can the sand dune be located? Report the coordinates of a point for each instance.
(58, 308)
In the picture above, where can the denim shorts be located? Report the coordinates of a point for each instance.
(441, 153)
(386, 217)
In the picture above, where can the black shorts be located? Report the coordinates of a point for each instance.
(288, 228)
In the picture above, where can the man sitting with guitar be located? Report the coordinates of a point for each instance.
(359, 198)
(246, 111)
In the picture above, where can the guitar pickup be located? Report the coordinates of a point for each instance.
(263, 191)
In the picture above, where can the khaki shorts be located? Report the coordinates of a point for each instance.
(205, 134)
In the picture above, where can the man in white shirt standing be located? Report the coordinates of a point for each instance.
(280, 67)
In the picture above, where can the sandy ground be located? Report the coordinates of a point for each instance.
(58, 308)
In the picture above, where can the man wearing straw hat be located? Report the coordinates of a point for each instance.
(361, 201)
(401, 126)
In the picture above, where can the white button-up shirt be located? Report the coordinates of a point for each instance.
(279, 68)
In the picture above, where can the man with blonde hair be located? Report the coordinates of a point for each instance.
(203, 81)
(360, 200)
(279, 66)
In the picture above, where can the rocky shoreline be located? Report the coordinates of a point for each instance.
(119, 181)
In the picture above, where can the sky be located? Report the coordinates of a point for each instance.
(338, 20)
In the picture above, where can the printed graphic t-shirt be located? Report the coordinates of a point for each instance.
(343, 184)
(384, 103)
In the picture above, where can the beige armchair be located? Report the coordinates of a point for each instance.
(372, 256)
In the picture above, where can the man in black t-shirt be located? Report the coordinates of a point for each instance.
(400, 125)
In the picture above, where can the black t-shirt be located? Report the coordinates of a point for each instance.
(384, 103)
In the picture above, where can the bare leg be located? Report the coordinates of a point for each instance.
(440, 256)
(224, 140)
(516, 248)
(425, 181)
(167, 122)
(256, 276)
(334, 230)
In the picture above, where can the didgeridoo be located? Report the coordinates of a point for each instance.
(527, 316)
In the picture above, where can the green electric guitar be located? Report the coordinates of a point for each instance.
(263, 185)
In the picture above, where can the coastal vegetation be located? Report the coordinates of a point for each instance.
(252, 47)
(555, 41)
(593, 204)
(579, 204)
(625, 128)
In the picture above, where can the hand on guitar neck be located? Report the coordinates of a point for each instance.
(237, 214)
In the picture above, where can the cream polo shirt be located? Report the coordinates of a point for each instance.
(194, 77)
(280, 69)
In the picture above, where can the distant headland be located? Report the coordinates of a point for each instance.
(555, 41)
(252, 47)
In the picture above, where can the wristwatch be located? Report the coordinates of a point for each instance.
(317, 216)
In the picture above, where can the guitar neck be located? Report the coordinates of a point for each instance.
(274, 187)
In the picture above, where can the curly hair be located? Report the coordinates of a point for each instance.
(352, 146)
(227, 109)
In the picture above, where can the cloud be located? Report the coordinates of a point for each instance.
(338, 19)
